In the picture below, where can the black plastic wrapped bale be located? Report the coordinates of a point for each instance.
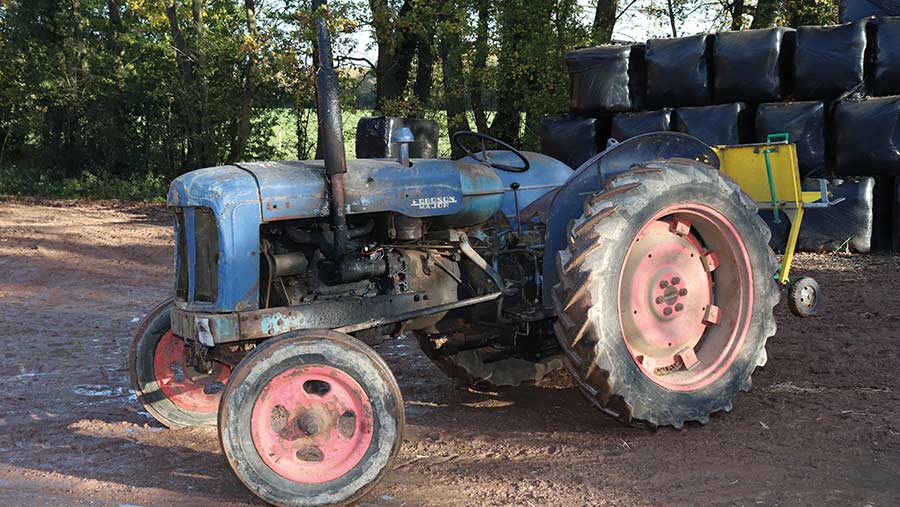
(804, 122)
(855, 10)
(373, 137)
(725, 124)
(895, 218)
(569, 138)
(628, 125)
(846, 226)
(886, 75)
(748, 65)
(829, 61)
(867, 137)
(883, 218)
(678, 71)
(780, 230)
(607, 78)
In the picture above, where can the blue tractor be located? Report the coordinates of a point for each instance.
(645, 272)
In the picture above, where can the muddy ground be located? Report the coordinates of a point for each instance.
(822, 425)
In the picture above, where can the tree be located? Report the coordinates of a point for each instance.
(605, 18)
(251, 48)
(764, 14)
(453, 73)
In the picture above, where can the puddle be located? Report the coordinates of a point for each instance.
(99, 391)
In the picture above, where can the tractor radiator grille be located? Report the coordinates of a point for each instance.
(181, 262)
(203, 273)
(206, 256)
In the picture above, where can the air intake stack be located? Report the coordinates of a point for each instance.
(331, 128)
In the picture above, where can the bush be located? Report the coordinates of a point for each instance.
(147, 187)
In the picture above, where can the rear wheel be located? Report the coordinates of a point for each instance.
(311, 419)
(168, 381)
(666, 293)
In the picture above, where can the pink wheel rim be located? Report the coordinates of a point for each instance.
(312, 424)
(686, 296)
(181, 383)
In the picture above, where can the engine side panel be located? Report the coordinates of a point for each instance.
(430, 188)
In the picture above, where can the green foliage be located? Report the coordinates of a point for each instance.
(147, 187)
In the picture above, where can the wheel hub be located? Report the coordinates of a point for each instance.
(312, 424)
(667, 295)
(672, 283)
(180, 381)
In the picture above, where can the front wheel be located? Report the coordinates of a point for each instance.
(167, 380)
(666, 294)
(311, 418)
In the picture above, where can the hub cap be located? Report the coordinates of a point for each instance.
(685, 296)
(181, 383)
(312, 424)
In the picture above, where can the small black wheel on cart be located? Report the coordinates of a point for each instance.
(804, 297)
(311, 418)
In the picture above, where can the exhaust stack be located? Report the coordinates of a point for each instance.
(331, 128)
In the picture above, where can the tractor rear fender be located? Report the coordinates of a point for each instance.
(568, 203)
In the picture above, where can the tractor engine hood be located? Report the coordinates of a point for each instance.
(470, 193)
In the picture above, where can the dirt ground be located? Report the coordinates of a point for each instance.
(821, 426)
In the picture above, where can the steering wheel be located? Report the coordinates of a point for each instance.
(486, 159)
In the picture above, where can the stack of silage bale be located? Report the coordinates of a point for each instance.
(834, 89)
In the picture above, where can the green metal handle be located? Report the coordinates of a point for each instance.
(778, 138)
(765, 153)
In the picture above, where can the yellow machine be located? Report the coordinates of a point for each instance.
(769, 173)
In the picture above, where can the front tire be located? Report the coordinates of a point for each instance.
(311, 418)
(666, 294)
(165, 382)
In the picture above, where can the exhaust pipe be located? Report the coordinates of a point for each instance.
(331, 129)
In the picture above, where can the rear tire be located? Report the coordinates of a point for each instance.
(666, 340)
(311, 418)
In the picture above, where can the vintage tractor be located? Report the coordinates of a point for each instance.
(646, 272)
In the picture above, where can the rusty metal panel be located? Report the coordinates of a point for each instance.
(332, 314)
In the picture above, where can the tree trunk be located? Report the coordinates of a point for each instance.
(479, 68)
(81, 28)
(737, 15)
(396, 49)
(670, 11)
(118, 149)
(242, 134)
(454, 86)
(197, 15)
(424, 72)
(604, 21)
(192, 100)
(764, 16)
(114, 8)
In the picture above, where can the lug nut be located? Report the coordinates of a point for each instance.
(679, 307)
(659, 300)
(682, 292)
(676, 281)
(663, 284)
(667, 311)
